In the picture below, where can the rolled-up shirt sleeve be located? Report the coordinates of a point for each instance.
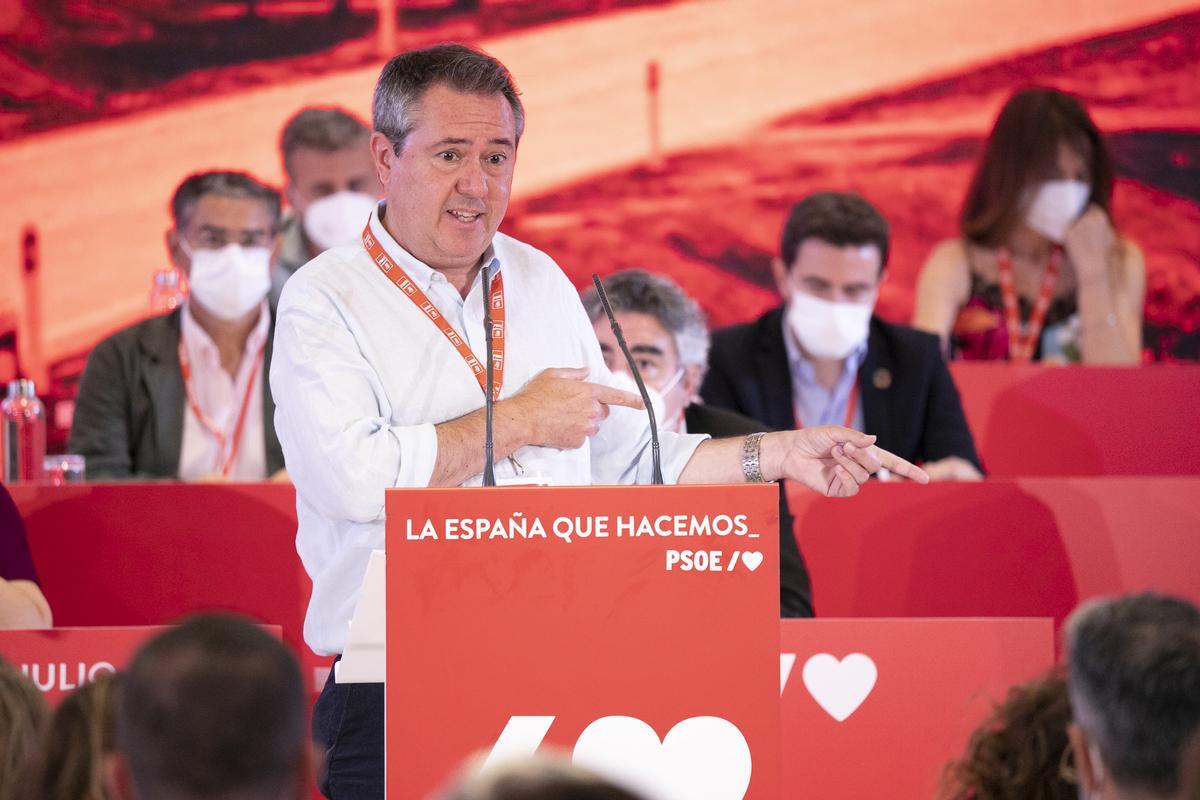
(333, 417)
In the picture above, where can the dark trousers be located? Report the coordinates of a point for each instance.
(348, 723)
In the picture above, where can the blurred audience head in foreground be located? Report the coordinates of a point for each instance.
(1134, 684)
(81, 735)
(213, 709)
(23, 715)
(537, 778)
(1019, 752)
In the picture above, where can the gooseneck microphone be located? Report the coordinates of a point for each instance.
(489, 471)
(656, 475)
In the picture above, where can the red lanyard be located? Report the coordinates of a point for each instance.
(851, 404)
(397, 276)
(224, 459)
(1021, 346)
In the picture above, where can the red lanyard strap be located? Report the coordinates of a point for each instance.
(413, 292)
(1023, 343)
(851, 404)
(227, 451)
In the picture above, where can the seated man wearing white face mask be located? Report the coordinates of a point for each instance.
(331, 187)
(668, 337)
(185, 395)
(823, 358)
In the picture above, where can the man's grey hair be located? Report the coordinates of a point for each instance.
(324, 128)
(226, 184)
(1134, 681)
(409, 75)
(640, 292)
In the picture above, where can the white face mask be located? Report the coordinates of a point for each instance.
(1055, 206)
(624, 381)
(826, 329)
(230, 281)
(675, 421)
(337, 219)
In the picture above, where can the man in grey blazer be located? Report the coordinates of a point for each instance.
(185, 395)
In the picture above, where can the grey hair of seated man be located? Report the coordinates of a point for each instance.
(324, 128)
(640, 292)
(1134, 683)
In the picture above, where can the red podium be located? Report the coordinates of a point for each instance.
(60, 660)
(874, 708)
(634, 628)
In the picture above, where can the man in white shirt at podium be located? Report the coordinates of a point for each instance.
(378, 380)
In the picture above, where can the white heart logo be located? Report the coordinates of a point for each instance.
(752, 560)
(839, 687)
(786, 662)
(701, 758)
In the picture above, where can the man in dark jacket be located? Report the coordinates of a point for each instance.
(185, 395)
(666, 333)
(824, 358)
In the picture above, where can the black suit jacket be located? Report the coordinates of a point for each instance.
(129, 413)
(908, 397)
(795, 589)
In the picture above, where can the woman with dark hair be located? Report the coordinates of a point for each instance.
(1039, 271)
(1021, 752)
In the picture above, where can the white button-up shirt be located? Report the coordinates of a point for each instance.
(220, 397)
(361, 376)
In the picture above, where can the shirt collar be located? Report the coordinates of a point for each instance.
(420, 272)
(200, 343)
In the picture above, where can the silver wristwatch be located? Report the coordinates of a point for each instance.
(751, 462)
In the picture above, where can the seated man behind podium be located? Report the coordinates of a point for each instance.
(331, 187)
(667, 335)
(380, 380)
(185, 395)
(823, 358)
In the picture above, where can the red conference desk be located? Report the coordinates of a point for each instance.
(144, 554)
(148, 553)
(1034, 547)
(1046, 420)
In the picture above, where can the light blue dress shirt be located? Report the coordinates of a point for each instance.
(812, 403)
